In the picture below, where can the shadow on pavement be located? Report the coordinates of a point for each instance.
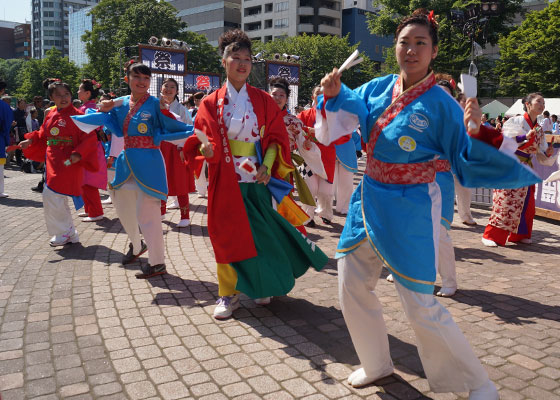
(77, 251)
(15, 202)
(183, 292)
(470, 253)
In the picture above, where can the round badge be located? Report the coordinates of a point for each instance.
(142, 128)
(407, 143)
(55, 131)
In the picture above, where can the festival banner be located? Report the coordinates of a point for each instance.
(164, 60)
(201, 82)
(279, 69)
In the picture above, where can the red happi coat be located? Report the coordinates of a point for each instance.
(228, 224)
(59, 138)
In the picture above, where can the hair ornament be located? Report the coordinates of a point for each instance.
(432, 19)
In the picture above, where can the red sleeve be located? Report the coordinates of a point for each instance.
(168, 113)
(207, 122)
(490, 136)
(37, 150)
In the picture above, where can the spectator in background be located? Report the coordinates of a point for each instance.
(39, 106)
(555, 125)
(6, 118)
(484, 120)
(76, 103)
(35, 124)
(499, 122)
(546, 123)
(20, 114)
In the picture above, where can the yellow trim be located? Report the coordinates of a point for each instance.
(351, 247)
(283, 167)
(137, 180)
(2, 161)
(242, 149)
(393, 270)
(344, 165)
(446, 220)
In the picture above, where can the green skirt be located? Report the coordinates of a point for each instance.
(283, 253)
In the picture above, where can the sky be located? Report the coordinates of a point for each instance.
(17, 11)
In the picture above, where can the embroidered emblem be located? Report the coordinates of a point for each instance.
(145, 115)
(142, 128)
(55, 131)
(418, 122)
(407, 143)
(62, 123)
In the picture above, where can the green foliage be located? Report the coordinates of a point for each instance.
(10, 71)
(530, 60)
(319, 55)
(34, 72)
(121, 23)
(454, 47)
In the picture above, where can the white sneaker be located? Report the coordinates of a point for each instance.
(446, 292)
(83, 214)
(173, 204)
(226, 305)
(93, 219)
(61, 240)
(107, 201)
(184, 223)
(263, 301)
(489, 243)
(3, 195)
(358, 378)
(201, 195)
(390, 278)
(526, 240)
(487, 391)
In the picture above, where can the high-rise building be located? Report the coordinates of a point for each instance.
(7, 48)
(78, 23)
(22, 41)
(49, 27)
(210, 18)
(267, 20)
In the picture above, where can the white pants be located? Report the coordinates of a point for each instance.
(463, 196)
(344, 186)
(448, 360)
(136, 209)
(110, 177)
(1, 178)
(201, 183)
(446, 262)
(323, 191)
(57, 213)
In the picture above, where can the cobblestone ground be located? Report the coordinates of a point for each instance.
(76, 324)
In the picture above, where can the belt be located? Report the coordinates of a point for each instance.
(442, 165)
(139, 142)
(242, 149)
(60, 141)
(401, 174)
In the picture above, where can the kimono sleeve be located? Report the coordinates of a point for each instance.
(38, 148)
(207, 122)
(169, 127)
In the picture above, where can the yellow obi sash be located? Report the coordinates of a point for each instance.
(242, 149)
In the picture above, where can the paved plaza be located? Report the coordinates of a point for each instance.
(76, 324)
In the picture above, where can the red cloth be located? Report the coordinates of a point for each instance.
(228, 224)
(490, 136)
(63, 179)
(193, 158)
(92, 201)
(183, 206)
(180, 180)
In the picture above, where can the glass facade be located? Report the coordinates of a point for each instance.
(78, 23)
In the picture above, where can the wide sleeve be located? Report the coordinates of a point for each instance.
(38, 148)
(206, 121)
(169, 128)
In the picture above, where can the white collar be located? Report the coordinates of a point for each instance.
(234, 94)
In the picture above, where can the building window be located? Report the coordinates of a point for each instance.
(282, 6)
(267, 23)
(254, 26)
(268, 38)
(268, 7)
(281, 23)
(253, 11)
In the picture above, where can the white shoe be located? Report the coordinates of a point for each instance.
(61, 240)
(184, 223)
(263, 301)
(83, 214)
(446, 292)
(526, 240)
(390, 278)
(93, 219)
(358, 378)
(3, 195)
(487, 391)
(173, 206)
(201, 195)
(107, 201)
(489, 243)
(226, 305)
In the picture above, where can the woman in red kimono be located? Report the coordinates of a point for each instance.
(258, 252)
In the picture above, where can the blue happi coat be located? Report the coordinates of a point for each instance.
(401, 221)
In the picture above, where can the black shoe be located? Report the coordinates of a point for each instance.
(38, 189)
(326, 221)
(148, 271)
(130, 257)
(310, 224)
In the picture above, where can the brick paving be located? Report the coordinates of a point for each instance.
(76, 324)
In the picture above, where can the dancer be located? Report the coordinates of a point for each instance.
(258, 252)
(345, 167)
(180, 179)
(513, 210)
(139, 182)
(394, 219)
(68, 151)
(6, 118)
(93, 181)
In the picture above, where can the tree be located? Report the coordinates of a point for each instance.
(119, 24)
(319, 55)
(529, 60)
(454, 47)
(53, 65)
(10, 71)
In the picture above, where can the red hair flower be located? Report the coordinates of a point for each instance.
(95, 83)
(432, 19)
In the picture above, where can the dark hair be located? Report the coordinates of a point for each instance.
(546, 114)
(280, 83)
(176, 85)
(3, 84)
(421, 16)
(234, 40)
(136, 67)
(446, 81)
(554, 117)
(50, 85)
(460, 97)
(92, 87)
(189, 102)
(198, 96)
(529, 98)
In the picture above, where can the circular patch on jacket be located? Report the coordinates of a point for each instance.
(407, 143)
(55, 131)
(142, 128)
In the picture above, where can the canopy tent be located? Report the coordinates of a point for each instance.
(494, 108)
(552, 105)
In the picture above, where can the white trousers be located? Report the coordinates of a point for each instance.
(57, 213)
(323, 191)
(137, 209)
(343, 186)
(110, 177)
(201, 183)
(448, 360)
(463, 196)
(446, 262)
(1, 178)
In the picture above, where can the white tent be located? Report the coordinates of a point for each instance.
(552, 105)
(495, 108)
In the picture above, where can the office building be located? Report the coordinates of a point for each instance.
(22, 41)
(7, 48)
(50, 24)
(78, 23)
(267, 20)
(210, 18)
